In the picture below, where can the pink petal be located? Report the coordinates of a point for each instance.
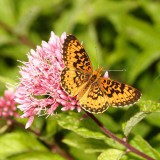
(29, 122)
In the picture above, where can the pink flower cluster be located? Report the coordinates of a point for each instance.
(8, 105)
(39, 90)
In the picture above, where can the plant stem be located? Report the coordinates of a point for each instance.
(110, 134)
(24, 39)
(16, 123)
(54, 147)
(57, 149)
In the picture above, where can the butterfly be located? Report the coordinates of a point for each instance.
(94, 93)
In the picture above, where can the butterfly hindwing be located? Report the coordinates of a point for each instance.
(94, 100)
(118, 94)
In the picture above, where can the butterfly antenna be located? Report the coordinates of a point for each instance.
(97, 57)
(116, 70)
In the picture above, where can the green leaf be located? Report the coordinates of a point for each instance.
(152, 9)
(119, 53)
(149, 106)
(51, 127)
(154, 119)
(155, 141)
(9, 16)
(132, 121)
(108, 121)
(3, 126)
(141, 32)
(139, 143)
(68, 18)
(25, 21)
(6, 38)
(17, 142)
(112, 7)
(85, 127)
(79, 154)
(136, 113)
(114, 144)
(16, 52)
(89, 145)
(29, 12)
(111, 154)
(35, 155)
(147, 128)
(147, 58)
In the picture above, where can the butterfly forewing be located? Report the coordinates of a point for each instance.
(72, 81)
(78, 66)
(74, 55)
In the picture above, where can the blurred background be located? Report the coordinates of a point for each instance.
(125, 32)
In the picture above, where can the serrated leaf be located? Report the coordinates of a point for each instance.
(136, 113)
(132, 122)
(16, 142)
(111, 154)
(139, 143)
(35, 155)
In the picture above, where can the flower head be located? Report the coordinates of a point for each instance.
(39, 89)
(8, 105)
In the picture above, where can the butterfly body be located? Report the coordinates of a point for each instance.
(94, 93)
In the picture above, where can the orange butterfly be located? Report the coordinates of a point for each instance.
(94, 93)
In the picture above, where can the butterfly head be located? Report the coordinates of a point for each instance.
(98, 72)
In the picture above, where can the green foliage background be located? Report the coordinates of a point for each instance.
(127, 35)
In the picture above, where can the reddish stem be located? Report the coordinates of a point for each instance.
(16, 123)
(24, 39)
(110, 134)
